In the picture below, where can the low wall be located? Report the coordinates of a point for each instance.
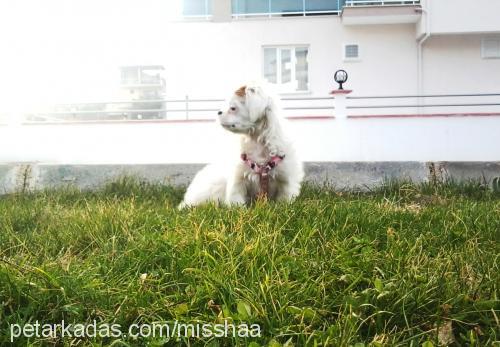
(343, 175)
(319, 139)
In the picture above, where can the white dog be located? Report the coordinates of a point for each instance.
(267, 165)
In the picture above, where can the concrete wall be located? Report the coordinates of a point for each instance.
(359, 176)
(324, 140)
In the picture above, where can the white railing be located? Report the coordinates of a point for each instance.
(352, 3)
(283, 14)
(186, 108)
(196, 109)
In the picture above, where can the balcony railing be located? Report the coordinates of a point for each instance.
(352, 3)
(272, 8)
(275, 8)
(201, 109)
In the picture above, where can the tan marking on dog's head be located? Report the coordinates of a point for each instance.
(241, 91)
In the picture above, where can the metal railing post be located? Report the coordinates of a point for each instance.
(187, 107)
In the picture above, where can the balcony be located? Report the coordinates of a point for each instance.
(353, 11)
(280, 8)
(352, 3)
(369, 12)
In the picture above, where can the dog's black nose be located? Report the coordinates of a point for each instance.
(219, 113)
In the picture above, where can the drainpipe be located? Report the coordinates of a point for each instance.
(420, 55)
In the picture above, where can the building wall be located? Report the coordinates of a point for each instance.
(205, 59)
(462, 16)
(211, 59)
(453, 64)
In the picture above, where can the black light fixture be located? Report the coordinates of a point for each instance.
(340, 77)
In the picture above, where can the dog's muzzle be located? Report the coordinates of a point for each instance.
(228, 125)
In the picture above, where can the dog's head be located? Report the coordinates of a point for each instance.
(247, 108)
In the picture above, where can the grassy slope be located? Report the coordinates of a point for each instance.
(335, 269)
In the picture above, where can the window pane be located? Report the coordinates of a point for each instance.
(195, 8)
(270, 66)
(286, 66)
(301, 68)
(150, 76)
(250, 6)
(286, 6)
(322, 5)
(130, 75)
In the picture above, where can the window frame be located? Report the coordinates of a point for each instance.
(207, 15)
(279, 85)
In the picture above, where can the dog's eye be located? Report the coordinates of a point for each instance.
(232, 108)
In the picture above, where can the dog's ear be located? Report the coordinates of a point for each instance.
(241, 92)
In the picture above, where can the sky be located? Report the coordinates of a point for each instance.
(70, 50)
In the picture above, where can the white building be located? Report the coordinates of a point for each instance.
(420, 50)
(387, 47)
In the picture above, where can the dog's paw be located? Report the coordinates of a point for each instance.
(235, 200)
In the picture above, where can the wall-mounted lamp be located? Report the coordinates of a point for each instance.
(340, 77)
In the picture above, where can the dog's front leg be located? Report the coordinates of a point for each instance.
(287, 191)
(236, 191)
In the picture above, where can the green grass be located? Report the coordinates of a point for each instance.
(384, 268)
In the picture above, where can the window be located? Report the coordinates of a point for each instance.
(129, 75)
(285, 7)
(351, 52)
(141, 74)
(287, 67)
(323, 5)
(197, 8)
(490, 48)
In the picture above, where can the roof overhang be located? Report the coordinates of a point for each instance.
(369, 15)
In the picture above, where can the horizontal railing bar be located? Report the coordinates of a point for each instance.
(118, 121)
(96, 112)
(426, 115)
(127, 111)
(179, 101)
(381, 3)
(434, 105)
(310, 108)
(196, 100)
(193, 110)
(136, 121)
(308, 98)
(142, 101)
(165, 110)
(261, 14)
(419, 96)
